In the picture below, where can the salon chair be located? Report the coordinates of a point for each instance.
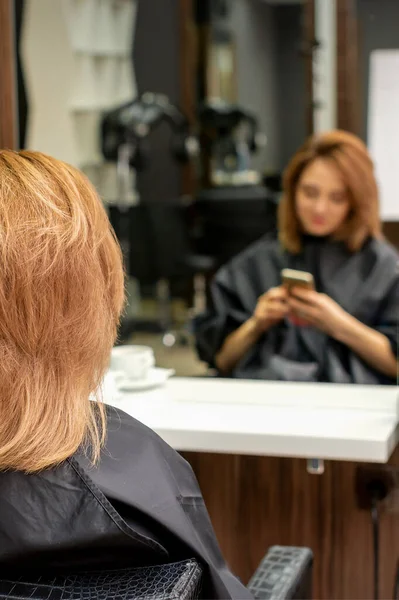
(235, 209)
(273, 182)
(160, 257)
(153, 235)
(284, 574)
(233, 217)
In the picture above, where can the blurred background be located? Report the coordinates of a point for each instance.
(184, 114)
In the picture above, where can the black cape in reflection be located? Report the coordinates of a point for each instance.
(365, 284)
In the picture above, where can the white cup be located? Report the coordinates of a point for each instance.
(134, 361)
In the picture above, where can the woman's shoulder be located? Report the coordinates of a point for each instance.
(383, 251)
(133, 448)
(125, 434)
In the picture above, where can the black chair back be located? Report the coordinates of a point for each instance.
(176, 581)
(170, 238)
(132, 228)
(285, 573)
(232, 218)
(157, 240)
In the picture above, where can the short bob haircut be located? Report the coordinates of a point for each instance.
(61, 296)
(348, 153)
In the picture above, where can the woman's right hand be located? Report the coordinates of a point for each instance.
(271, 308)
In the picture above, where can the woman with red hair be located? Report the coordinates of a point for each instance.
(81, 485)
(344, 331)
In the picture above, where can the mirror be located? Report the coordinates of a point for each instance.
(220, 95)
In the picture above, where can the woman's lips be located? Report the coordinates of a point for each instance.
(318, 221)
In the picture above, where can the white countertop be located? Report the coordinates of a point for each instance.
(355, 423)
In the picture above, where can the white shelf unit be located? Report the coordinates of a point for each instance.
(77, 57)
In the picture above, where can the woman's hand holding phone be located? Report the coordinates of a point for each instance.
(272, 307)
(303, 306)
(318, 310)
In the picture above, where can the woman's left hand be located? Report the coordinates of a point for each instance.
(318, 310)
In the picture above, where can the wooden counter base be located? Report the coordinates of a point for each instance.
(255, 502)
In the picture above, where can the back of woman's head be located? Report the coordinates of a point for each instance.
(61, 295)
(350, 156)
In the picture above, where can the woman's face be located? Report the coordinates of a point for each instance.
(322, 202)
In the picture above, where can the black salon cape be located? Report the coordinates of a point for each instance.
(140, 506)
(365, 284)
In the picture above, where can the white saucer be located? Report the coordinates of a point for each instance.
(156, 378)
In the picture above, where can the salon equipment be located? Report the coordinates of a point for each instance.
(284, 574)
(125, 133)
(175, 581)
(273, 182)
(233, 217)
(149, 232)
(159, 254)
(232, 137)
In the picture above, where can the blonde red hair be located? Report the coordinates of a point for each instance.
(349, 154)
(61, 296)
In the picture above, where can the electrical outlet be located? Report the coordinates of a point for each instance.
(380, 481)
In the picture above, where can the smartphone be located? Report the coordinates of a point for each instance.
(292, 278)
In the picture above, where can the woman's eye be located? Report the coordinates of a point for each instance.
(338, 198)
(310, 192)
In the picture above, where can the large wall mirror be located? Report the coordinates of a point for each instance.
(217, 95)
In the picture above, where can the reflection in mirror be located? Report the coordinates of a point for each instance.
(185, 124)
(257, 327)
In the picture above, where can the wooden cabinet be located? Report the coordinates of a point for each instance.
(255, 502)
